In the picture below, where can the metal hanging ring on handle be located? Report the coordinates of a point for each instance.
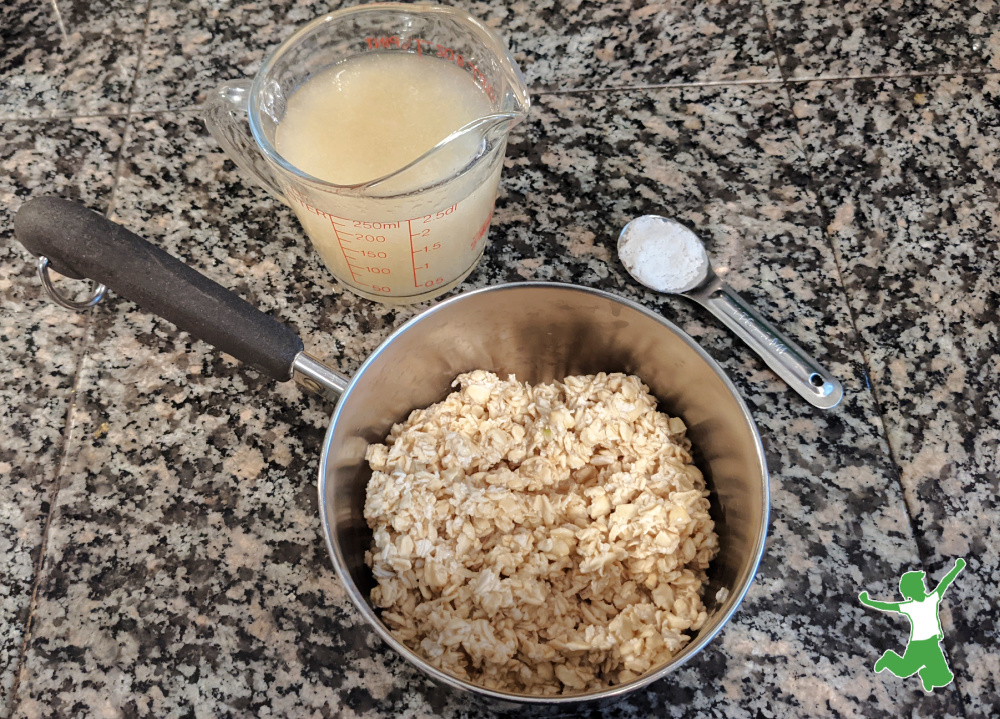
(96, 294)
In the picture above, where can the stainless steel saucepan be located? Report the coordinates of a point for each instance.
(537, 331)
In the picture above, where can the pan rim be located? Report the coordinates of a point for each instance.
(361, 603)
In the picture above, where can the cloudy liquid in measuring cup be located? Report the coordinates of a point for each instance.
(365, 118)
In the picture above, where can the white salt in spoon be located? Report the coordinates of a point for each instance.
(665, 256)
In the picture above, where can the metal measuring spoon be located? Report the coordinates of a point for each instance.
(671, 259)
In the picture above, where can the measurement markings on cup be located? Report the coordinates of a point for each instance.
(423, 244)
(340, 241)
(425, 248)
(373, 251)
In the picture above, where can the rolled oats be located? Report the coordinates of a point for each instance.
(547, 539)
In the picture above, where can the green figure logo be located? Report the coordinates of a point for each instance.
(923, 654)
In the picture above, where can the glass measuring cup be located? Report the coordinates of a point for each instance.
(418, 231)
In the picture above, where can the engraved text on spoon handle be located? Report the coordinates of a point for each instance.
(787, 359)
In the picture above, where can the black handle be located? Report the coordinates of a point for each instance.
(83, 244)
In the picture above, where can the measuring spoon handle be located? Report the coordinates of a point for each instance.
(787, 359)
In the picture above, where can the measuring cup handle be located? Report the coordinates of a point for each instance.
(225, 113)
(789, 361)
(84, 244)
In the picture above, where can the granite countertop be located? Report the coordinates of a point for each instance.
(160, 547)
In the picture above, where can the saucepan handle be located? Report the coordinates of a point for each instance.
(80, 243)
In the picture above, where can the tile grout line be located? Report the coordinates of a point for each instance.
(127, 114)
(764, 82)
(655, 86)
(77, 383)
(861, 347)
(59, 20)
(51, 118)
(825, 219)
(891, 76)
(53, 494)
(120, 163)
(131, 110)
(922, 555)
(786, 85)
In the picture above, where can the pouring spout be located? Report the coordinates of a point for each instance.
(451, 156)
(482, 126)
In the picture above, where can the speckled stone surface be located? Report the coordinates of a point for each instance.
(617, 43)
(72, 58)
(819, 38)
(192, 50)
(168, 494)
(186, 533)
(907, 170)
(194, 47)
(41, 351)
